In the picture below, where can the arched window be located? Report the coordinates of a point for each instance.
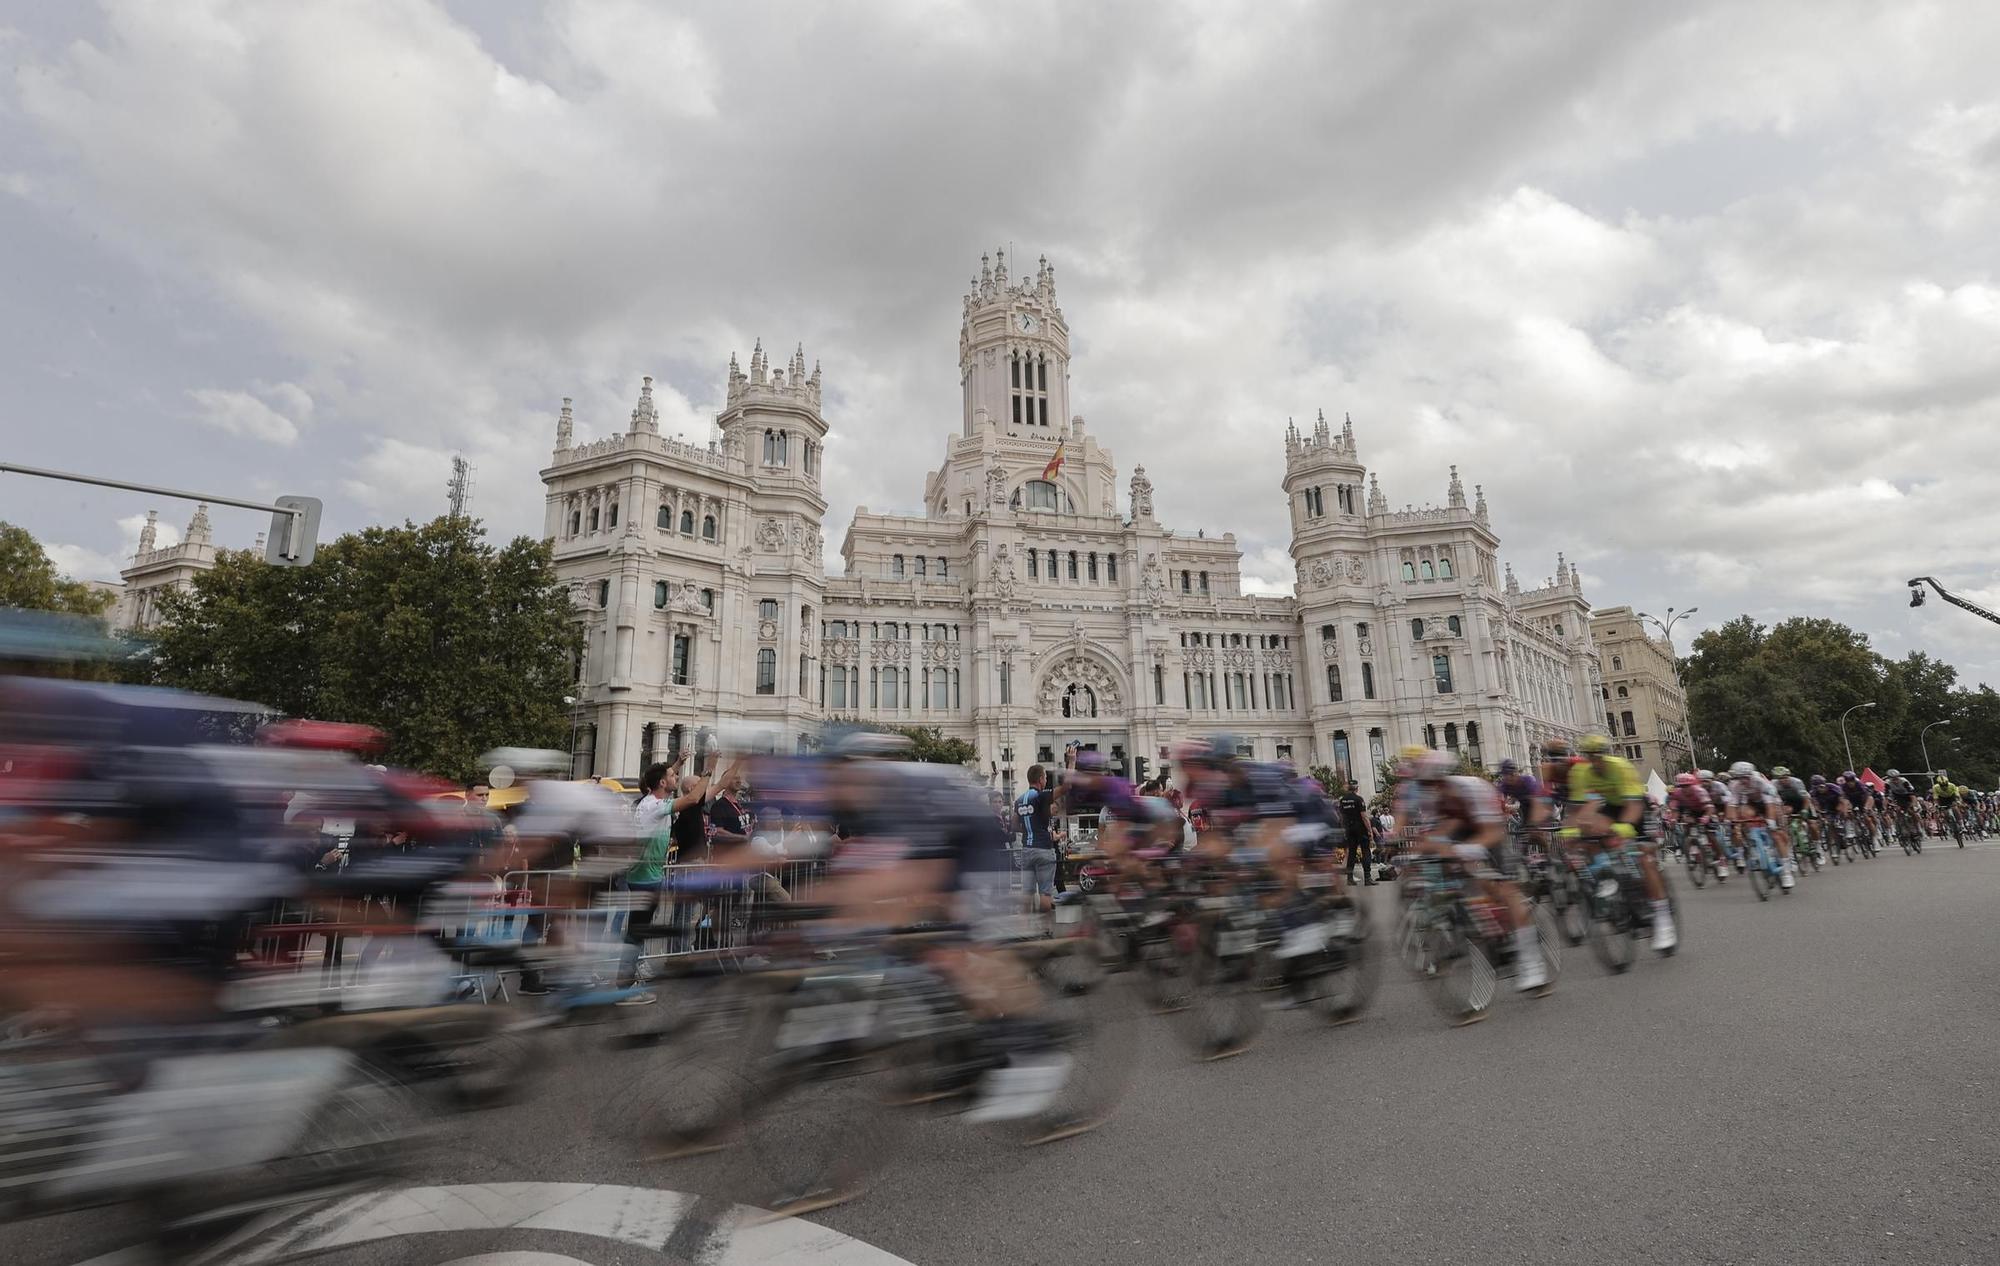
(1417, 629)
(1034, 564)
(1428, 573)
(1072, 564)
(1617, 663)
(1090, 572)
(708, 527)
(1333, 683)
(1187, 582)
(575, 522)
(1111, 567)
(1327, 633)
(896, 565)
(770, 448)
(687, 523)
(659, 595)
(603, 593)
(922, 568)
(941, 567)
(708, 601)
(1451, 736)
(767, 609)
(1040, 494)
(664, 520)
(1409, 570)
(784, 448)
(767, 671)
(1079, 701)
(593, 518)
(1441, 670)
(940, 690)
(1444, 567)
(612, 521)
(1622, 692)
(1204, 582)
(1452, 622)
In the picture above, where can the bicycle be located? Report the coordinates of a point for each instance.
(1458, 945)
(1805, 842)
(1765, 870)
(1620, 910)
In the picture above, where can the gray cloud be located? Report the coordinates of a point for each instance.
(1703, 295)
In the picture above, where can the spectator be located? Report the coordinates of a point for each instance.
(1360, 832)
(1038, 836)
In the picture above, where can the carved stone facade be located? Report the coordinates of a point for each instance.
(1022, 612)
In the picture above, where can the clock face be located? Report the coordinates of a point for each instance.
(1025, 323)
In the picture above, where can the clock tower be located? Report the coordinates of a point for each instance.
(1013, 352)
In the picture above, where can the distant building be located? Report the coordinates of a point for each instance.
(154, 570)
(1645, 711)
(1025, 607)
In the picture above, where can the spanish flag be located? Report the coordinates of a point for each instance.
(1055, 463)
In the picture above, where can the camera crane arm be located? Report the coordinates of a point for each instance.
(1917, 598)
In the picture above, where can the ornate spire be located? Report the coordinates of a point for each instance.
(799, 363)
(985, 276)
(1513, 585)
(197, 533)
(1000, 269)
(566, 427)
(758, 366)
(1479, 502)
(1347, 433)
(1562, 569)
(149, 536)
(1291, 436)
(1455, 495)
(645, 418)
(1377, 503)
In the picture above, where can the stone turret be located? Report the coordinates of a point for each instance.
(197, 533)
(645, 418)
(149, 536)
(565, 427)
(1377, 503)
(1455, 494)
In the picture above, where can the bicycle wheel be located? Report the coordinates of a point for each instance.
(1697, 866)
(701, 1076)
(1095, 1024)
(1611, 932)
(1572, 917)
(818, 1119)
(1353, 968)
(1224, 1014)
(1760, 878)
(1457, 975)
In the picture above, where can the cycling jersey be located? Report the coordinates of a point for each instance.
(1793, 793)
(1524, 789)
(1901, 791)
(1616, 782)
(1856, 791)
(1829, 797)
(1690, 802)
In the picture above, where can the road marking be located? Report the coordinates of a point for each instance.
(640, 1216)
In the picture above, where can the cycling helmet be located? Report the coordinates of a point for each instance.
(1594, 745)
(1819, 780)
(1684, 780)
(1090, 762)
(1433, 765)
(1743, 769)
(1555, 749)
(1780, 771)
(867, 744)
(1706, 775)
(1895, 773)
(1849, 774)
(1508, 768)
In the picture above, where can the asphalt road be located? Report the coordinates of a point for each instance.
(1812, 1080)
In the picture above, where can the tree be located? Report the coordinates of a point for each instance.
(28, 578)
(429, 633)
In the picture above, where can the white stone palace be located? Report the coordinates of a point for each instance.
(1025, 607)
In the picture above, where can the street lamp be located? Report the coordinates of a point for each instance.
(1926, 746)
(1666, 627)
(569, 701)
(1843, 730)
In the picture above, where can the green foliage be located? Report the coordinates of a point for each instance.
(28, 578)
(1325, 777)
(1775, 697)
(431, 634)
(927, 743)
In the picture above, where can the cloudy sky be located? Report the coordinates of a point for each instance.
(1704, 294)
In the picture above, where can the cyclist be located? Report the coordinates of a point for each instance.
(1792, 799)
(1614, 785)
(923, 842)
(1463, 819)
(1689, 807)
(1902, 796)
(1752, 802)
(1946, 795)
